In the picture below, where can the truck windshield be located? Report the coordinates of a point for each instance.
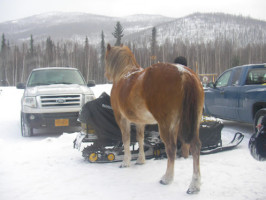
(55, 76)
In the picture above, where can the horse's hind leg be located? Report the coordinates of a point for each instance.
(170, 147)
(140, 139)
(185, 149)
(195, 151)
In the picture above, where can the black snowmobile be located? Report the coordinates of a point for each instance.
(257, 142)
(100, 139)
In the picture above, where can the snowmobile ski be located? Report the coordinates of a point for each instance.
(235, 142)
(154, 148)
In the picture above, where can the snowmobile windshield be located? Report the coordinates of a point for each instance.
(55, 76)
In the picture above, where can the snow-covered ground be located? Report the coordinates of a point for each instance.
(47, 167)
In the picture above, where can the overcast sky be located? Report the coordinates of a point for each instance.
(16, 9)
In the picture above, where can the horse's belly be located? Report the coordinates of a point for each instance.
(146, 117)
(140, 116)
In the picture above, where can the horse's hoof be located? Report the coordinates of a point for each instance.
(166, 181)
(163, 183)
(140, 162)
(192, 191)
(124, 165)
(194, 186)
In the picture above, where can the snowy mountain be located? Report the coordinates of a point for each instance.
(75, 26)
(197, 27)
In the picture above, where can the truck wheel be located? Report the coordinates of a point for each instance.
(258, 117)
(26, 131)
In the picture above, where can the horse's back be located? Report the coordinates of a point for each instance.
(162, 85)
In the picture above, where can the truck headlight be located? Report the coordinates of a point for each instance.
(30, 102)
(89, 98)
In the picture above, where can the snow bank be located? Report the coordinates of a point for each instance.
(47, 167)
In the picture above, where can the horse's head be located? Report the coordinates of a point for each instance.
(118, 60)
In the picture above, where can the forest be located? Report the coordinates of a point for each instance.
(207, 59)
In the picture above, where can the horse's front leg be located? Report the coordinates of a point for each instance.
(140, 139)
(124, 125)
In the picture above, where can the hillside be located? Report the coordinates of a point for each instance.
(196, 27)
(75, 26)
(203, 28)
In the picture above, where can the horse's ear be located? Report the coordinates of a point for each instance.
(108, 47)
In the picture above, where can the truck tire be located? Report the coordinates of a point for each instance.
(258, 117)
(26, 131)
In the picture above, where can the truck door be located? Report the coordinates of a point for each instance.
(226, 94)
(219, 108)
(231, 95)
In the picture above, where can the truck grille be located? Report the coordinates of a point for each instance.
(60, 101)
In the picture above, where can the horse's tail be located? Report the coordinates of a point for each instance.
(191, 110)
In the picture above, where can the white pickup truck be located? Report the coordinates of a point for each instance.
(52, 98)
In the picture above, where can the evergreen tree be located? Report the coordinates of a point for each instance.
(3, 43)
(49, 51)
(86, 43)
(65, 56)
(153, 41)
(31, 45)
(102, 58)
(153, 44)
(102, 49)
(118, 33)
(86, 69)
(31, 60)
(3, 78)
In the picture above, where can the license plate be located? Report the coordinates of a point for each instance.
(61, 122)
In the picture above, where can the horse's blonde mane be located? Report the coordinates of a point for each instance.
(118, 61)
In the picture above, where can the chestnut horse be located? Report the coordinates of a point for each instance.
(167, 94)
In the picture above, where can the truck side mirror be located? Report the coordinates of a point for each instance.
(211, 85)
(21, 86)
(91, 83)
